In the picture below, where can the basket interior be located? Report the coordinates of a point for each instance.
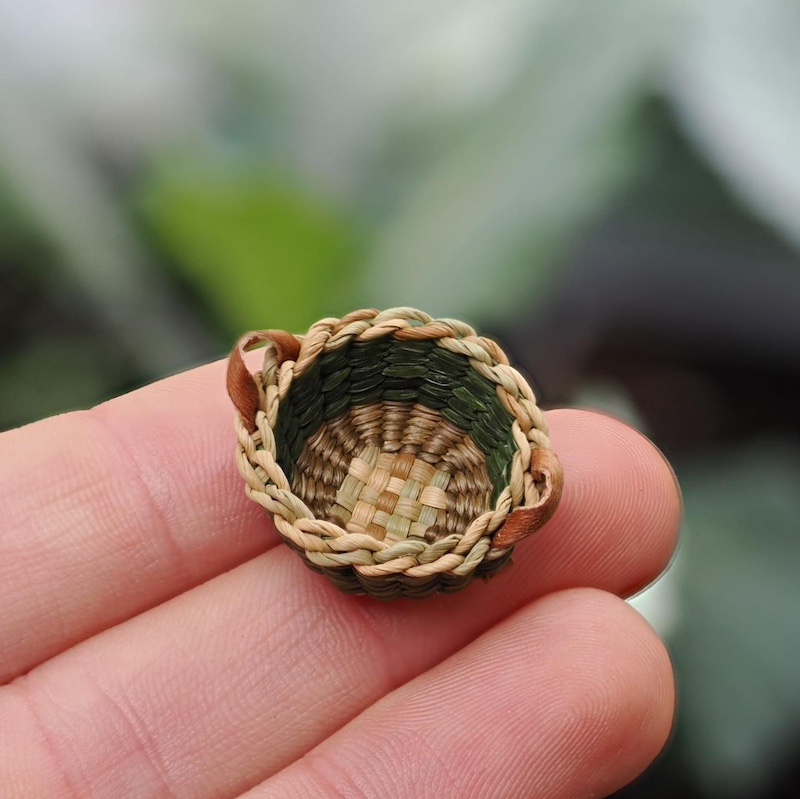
(395, 438)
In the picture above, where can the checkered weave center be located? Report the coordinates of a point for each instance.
(391, 496)
(395, 471)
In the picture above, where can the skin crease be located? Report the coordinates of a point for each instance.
(158, 642)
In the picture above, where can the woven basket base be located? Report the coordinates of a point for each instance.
(350, 581)
(394, 470)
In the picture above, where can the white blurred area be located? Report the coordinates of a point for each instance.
(112, 72)
(659, 603)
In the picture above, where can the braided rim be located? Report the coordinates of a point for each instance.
(524, 505)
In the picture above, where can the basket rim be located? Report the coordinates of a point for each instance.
(524, 504)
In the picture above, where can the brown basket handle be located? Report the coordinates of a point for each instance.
(242, 386)
(549, 477)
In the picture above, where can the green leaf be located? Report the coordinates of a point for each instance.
(485, 226)
(261, 252)
(734, 80)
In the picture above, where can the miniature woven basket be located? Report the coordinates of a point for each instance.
(397, 454)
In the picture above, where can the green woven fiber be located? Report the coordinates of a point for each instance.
(360, 373)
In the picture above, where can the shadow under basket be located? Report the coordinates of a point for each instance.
(397, 454)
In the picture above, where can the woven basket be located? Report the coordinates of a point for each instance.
(398, 454)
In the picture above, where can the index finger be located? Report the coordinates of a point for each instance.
(108, 512)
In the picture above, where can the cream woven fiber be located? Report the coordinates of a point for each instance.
(350, 536)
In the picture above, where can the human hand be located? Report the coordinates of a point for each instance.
(155, 641)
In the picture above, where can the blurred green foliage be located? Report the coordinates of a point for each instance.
(260, 251)
(531, 169)
(79, 364)
(171, 175)
(737, 648)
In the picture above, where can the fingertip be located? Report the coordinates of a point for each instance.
(570, 696)
(612, 471)
(617, 683)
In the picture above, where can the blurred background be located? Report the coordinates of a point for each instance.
(611, 187)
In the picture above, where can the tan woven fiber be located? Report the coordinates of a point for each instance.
(425, 477)
(397, 453)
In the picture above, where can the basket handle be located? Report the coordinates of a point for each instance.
(549, 478)
(242, 384)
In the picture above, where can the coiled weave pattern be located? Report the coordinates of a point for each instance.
(397, 454)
